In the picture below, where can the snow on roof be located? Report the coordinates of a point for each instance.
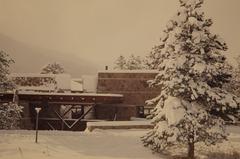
(62, 81)
(31, 75)
(38, 88)
(77, 79)
(70, 94)
(76, 86)
(128, 71)
(89, 83)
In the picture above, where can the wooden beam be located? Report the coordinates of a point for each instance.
(76, 120)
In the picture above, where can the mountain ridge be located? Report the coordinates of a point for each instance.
(30, 58)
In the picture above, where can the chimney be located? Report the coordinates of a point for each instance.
(106, 67)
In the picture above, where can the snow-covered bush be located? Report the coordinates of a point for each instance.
(192, 71)
(10, 115)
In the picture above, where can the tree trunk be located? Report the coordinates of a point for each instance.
(191, 150)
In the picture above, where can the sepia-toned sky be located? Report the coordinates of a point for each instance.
(100, 30)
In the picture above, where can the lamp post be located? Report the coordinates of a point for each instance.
(37, 111)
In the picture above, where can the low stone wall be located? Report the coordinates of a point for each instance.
(119, 125)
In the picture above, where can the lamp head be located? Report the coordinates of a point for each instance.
(38, 109)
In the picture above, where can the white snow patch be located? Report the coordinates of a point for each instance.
(114, 144)
(174, 110)
(100, 144)
(89, 83)
(70, 94)
(76, 86)
(118, 123)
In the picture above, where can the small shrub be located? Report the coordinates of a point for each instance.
(10, 115)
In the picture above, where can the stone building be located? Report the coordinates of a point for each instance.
(111, 95)
(132, 84)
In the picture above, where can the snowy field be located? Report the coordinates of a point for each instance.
(99, 144)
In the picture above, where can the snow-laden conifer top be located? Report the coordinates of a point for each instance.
(192, 72)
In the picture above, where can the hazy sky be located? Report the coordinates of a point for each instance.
(101, 30)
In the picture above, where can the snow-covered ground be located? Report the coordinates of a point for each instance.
(99, 144)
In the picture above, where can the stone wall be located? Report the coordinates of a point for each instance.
(132, 84)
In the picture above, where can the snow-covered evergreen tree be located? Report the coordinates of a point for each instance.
(9, 112)
(153, 58)
(192, 71)
(53, 68)
(234, 85)
(131, 63)
(134, 63)
(120, 63)
(5, 61)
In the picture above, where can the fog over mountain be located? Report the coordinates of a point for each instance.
(86, 35)
(31, 58)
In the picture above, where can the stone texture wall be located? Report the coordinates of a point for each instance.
(133, 85)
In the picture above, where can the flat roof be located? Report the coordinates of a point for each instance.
(65, 97)
(70, 94)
